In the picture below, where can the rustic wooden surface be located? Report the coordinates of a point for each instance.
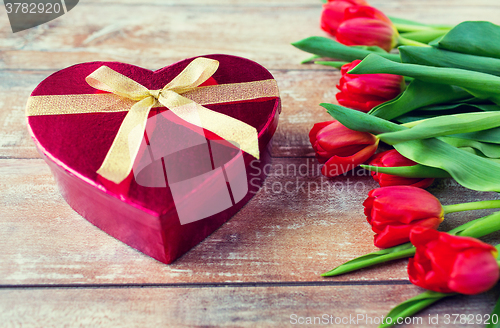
(261, 267)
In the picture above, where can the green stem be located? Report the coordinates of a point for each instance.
(476, 228)
(413, 123)
(310, 59)
(481, 227)
(407, 42)
(424, 36)
(412, 306)
(336, 64)
(414, 171)
(472, 206)
(496, 311)
(401, 27)
(405, 251)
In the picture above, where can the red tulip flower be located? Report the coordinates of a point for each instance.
(340, 148)
(391, 158)
(365, 91)
(367, 26)
(333, 13)
(394, 211)
(452, 264)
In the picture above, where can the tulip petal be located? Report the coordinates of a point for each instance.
(466, 280)
(338, 165)
(366, 12)
(405, 204)
(446, 263)
(333, 15)
(315, 129)
(393, 234)
(367, 32)
(391, 158)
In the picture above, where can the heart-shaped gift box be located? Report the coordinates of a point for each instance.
(186, 179)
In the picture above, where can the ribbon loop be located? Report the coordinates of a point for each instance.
(106, 79)
(196, 73)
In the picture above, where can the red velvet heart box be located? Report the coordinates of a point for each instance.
(204, 181)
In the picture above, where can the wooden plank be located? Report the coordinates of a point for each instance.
(154, 38)
(301, 92)
(298, 226)
(158, 34)
(357, 306)
(15, 88)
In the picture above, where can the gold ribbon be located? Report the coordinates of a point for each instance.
(182, 96)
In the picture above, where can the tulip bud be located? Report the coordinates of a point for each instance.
(391, 158)
(333, 13)
(365, 91)
(451, 264)
(367, 26)
(340, 148)
(394, 211)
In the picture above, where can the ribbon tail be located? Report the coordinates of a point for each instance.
(239, 133)
(120, 158)
(230, 129)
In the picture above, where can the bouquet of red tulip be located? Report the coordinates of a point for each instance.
(433, 94)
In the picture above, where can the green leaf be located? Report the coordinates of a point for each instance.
(412, 306)
(475, 38)
(491, 135)
(481, 85)
(414, 171)
(416, 95)
(420, 115)
(445, 125)
(424, 113)
(495, 314)
(487, 149)
(329, 48)
(374, 49)
(465, 107)
(359, 121)
(469, 170)
(443, 58)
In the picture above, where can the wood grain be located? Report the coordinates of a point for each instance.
(225, 306)
(56, 269)
(298, 226)
(157, 33)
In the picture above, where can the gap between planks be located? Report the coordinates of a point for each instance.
(214, 285)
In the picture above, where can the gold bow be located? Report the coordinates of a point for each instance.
(120, 158)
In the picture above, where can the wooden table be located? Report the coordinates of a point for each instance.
(260, 268)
